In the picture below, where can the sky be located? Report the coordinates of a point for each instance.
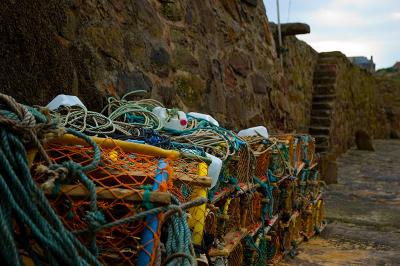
(354, 27)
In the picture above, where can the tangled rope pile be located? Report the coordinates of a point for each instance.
(138, 113)
(25, 212)
(17, 188)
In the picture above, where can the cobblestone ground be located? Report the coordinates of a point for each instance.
(363, 211)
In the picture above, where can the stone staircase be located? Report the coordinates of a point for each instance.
(324, 96)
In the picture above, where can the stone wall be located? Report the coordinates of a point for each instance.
(352, 99)
(299, 61)
(212, 56)
(208, 56)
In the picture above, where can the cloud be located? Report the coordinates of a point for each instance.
(396, 16)
(355, 27)
(337, 18)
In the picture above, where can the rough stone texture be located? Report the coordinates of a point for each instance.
(300, 61)
(389, 93)
(358, 104)
(206, 52)
(363, 141)
(217, 57)
(363, 211)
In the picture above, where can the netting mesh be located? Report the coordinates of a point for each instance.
(235, 258)
(308, 220)
(242, 167)
(262, 163)
(251, 210)
(120, 180)
(295, 227)
(319, 213)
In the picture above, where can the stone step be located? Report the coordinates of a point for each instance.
(324, 73)
(324, 97)
(320, 121)
(322, 105)
(326, 67)
(327, 59)
(321, 140)
(324, 80)
(321, 149)
(324, 88)
(319, 130)
(321, 113)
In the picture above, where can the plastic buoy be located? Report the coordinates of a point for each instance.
(206, 117)
(214, 169)
(64, 100)
(171, 120)
(254, 131)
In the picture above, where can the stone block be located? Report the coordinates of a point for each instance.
(160, 61)
(240, 63)
(136, 80)
(363, 141)
(260, 84)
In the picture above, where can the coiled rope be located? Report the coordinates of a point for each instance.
(25, 209)
(138, 113)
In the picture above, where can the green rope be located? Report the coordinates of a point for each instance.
(25, 200)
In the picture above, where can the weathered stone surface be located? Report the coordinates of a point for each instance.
(363, 141)
(295, 29)
(207, 56)
(251, 2)
(136, 80)
(260, 84)
(240, 63)
(172, 10)
(230, 79)
(232, 8)
(184, 59)
(160, 60)
(329, 169)
(168, 95)
(367, 184)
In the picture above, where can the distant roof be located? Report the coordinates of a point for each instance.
(359, 60)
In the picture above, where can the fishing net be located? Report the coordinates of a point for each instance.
(319, 213)
(126, 185)
(235, 258)
(295, 228)
(251, 210)
(274, 250)
(190, 183)
(308, 220)
(241, 167)
(261, 149)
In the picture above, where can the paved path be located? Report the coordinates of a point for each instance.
(363, 211)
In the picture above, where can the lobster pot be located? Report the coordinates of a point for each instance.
(242, 165)
(297, 156)
(308, 144)
(274, 251)
(262, 163)
(251, 210)
(276, 197)
(288, 147)
(230, 217)
(291, 231)
(235, 258)
(119, 245)
(288, 195)
(119, 181)
(309, 220)
(190, 182)
(319, 214)
(295, 228)
(262, 153)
